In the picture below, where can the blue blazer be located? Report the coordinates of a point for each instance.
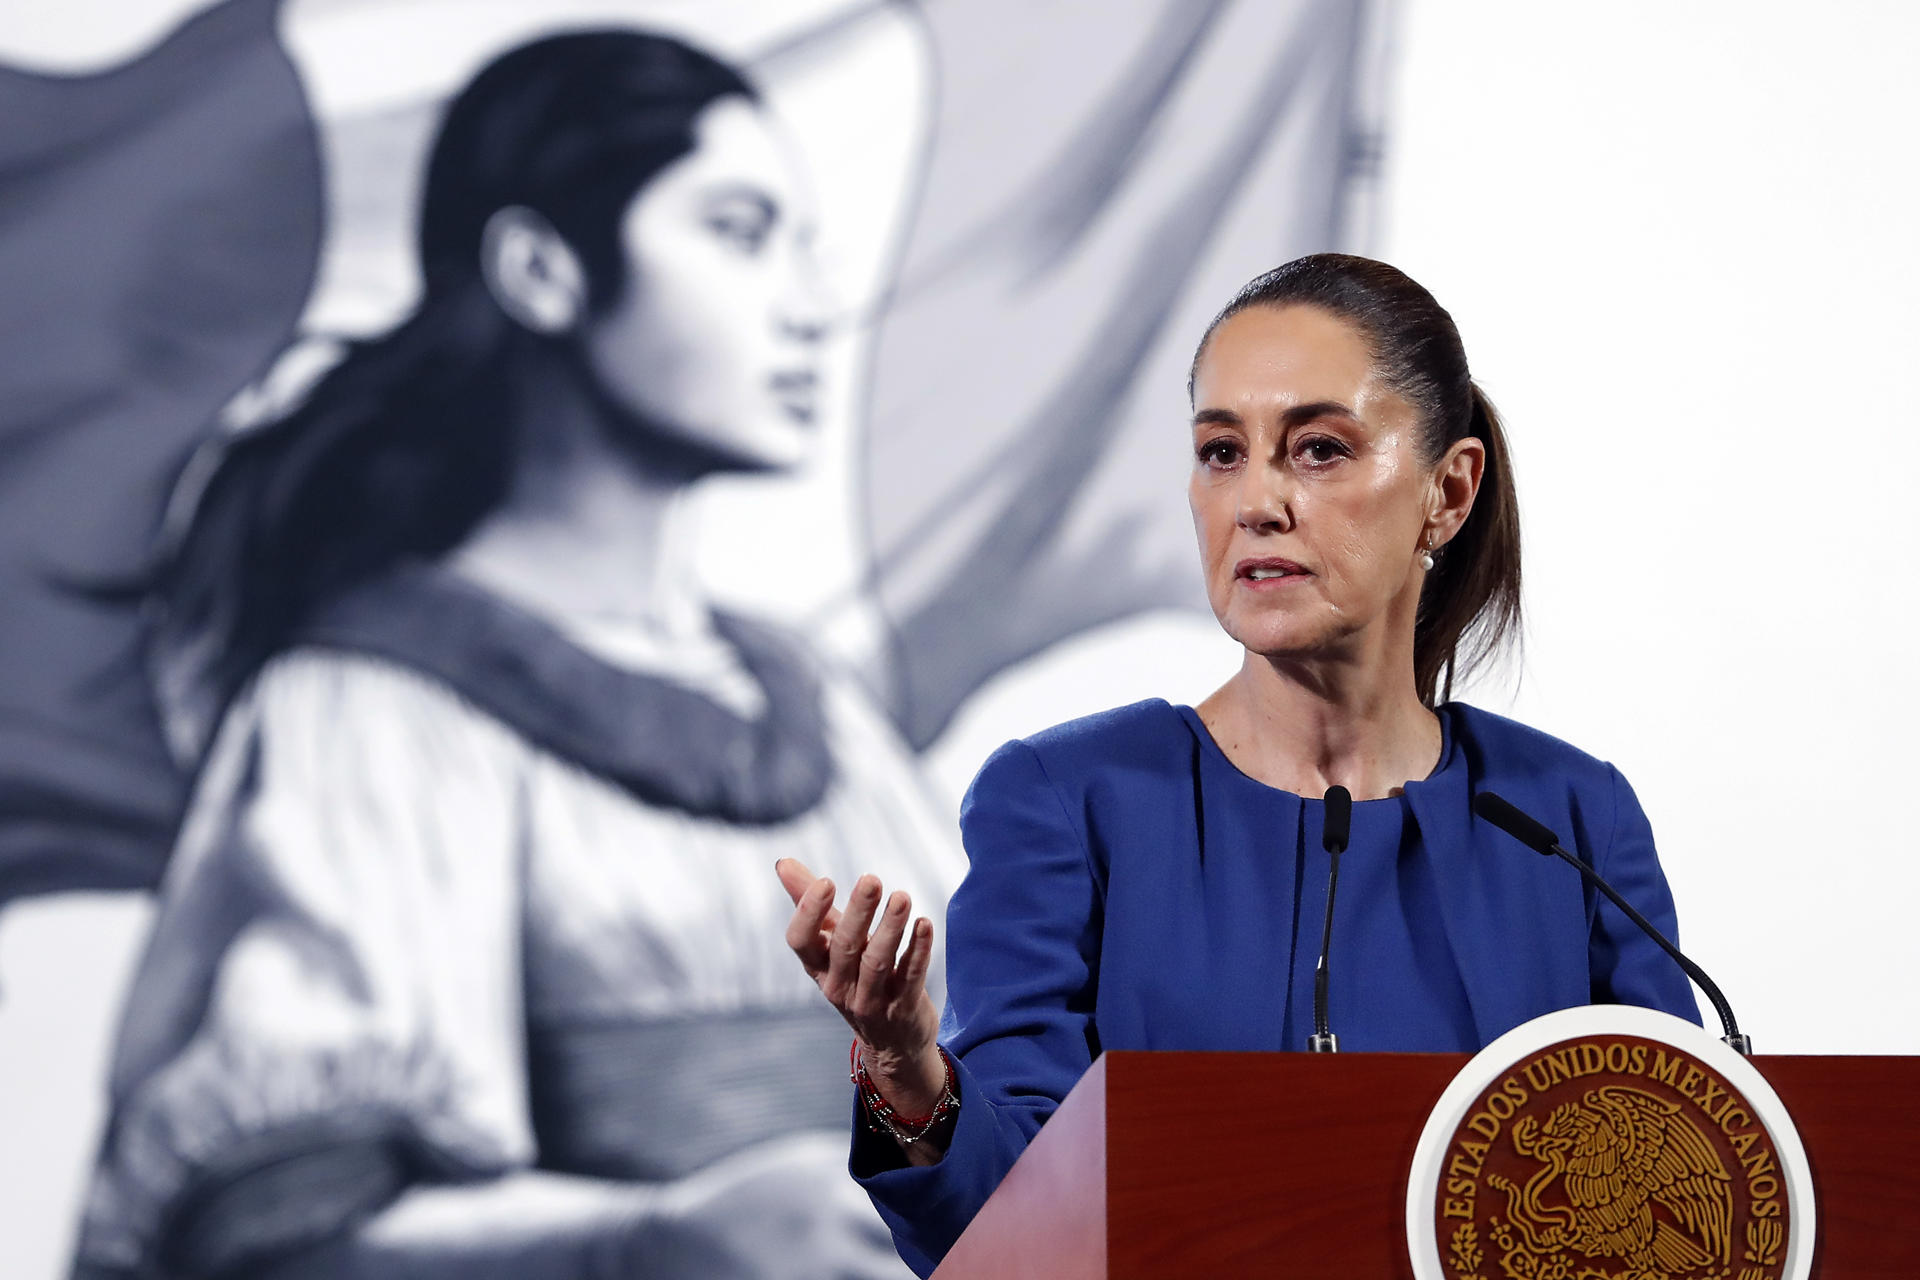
(1124, 895)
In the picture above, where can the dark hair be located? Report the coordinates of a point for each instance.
(1470, 604)
(408, 442)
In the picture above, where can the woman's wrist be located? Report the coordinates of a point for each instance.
(919, 1133)
(911, 1083)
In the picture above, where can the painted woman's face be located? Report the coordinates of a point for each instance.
(714, 341)
(1308, 492)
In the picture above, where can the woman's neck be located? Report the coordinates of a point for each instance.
(587, 530)
(1305, 724)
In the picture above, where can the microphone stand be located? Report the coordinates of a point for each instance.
(1333, 838)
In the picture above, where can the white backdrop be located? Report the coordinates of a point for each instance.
(1680, 242)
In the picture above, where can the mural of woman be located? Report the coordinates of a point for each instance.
(467, 960)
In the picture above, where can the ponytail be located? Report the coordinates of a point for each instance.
(1470, 605)
(397, 452)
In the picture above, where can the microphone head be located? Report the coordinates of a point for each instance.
(1535, 835)
(1339, 819)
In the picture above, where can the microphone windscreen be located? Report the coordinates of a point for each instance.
(1339, 822)
(1526, 830)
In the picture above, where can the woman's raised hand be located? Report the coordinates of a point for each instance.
(880, 989)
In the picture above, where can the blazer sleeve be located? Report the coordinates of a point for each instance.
(1626, 966)
(1022, 963)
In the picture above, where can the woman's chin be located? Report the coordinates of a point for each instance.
(774, 448)
(1278, 639)
(778, 437)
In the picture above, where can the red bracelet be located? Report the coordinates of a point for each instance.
(881, 1116)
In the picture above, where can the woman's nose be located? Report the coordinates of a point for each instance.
(807, 314)
(1262, 503)
(805, 322)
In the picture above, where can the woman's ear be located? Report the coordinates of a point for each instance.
(1456, 482)
(532, 272)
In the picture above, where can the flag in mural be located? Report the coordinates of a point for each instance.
(1097, 187)
(159, 228)
(442, 442)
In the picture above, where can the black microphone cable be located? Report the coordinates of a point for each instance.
(1540, 838)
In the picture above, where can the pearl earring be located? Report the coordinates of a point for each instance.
(1426, 555)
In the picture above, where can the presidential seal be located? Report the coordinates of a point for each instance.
(1609, 1143)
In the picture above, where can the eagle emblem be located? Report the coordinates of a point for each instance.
(1623, 1177)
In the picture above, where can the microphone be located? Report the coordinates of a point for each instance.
(1333, 838)
(1541, 839)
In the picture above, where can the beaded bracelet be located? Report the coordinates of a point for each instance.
(881, 1116)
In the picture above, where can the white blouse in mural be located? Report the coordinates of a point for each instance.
(389, 914)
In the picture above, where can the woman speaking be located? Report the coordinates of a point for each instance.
(1152, 877)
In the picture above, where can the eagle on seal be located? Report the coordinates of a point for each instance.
(1617, 1153)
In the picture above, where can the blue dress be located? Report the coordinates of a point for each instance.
(1131, 889)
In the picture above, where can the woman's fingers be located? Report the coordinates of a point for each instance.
(850, 943)
(810, 931)
(874, 992)
(910, 976)
(795, 878)
(870, 961)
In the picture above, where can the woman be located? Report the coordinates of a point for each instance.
(465, 963)
(1151, 877)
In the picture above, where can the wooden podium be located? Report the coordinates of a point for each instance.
(1292, 1164)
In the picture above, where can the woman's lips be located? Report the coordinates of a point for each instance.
(797, 393)
(1269, 573)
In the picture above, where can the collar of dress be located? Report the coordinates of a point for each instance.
(663, 742)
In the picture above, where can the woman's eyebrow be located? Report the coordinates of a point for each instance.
(1318, 409)
(1291, 418)
(725, 193)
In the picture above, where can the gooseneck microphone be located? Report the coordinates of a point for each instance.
(1538, 837)
(1333, 838)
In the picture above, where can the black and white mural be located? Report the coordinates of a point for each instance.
(481, 481)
